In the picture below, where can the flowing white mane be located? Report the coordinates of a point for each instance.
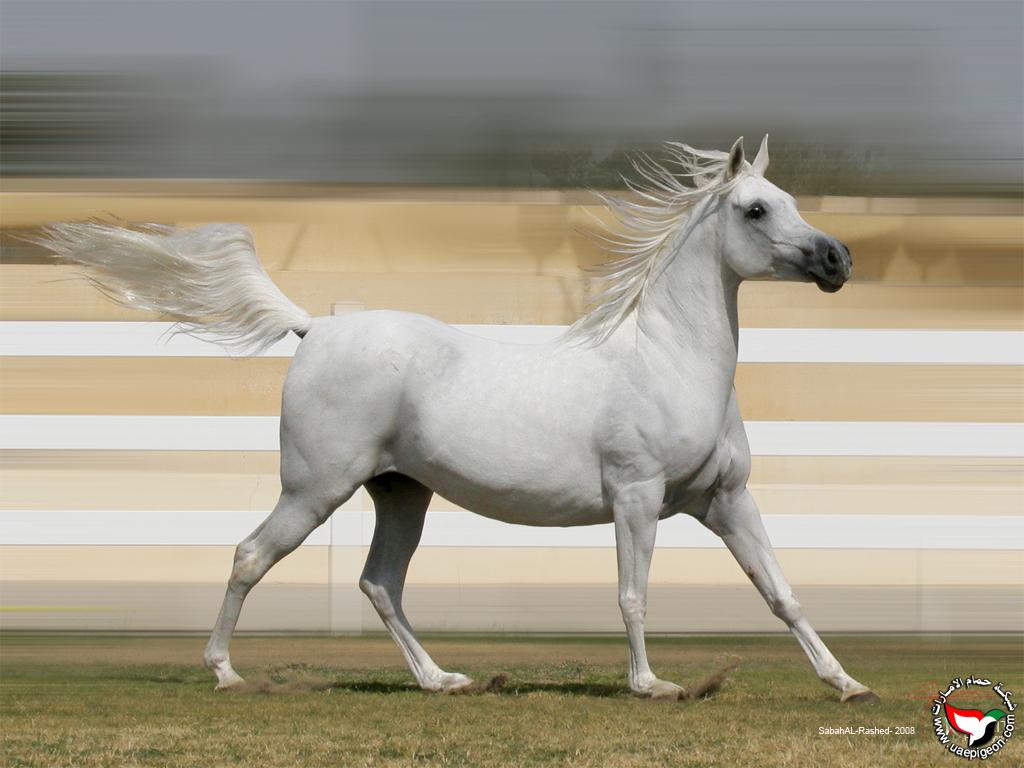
(650, 225)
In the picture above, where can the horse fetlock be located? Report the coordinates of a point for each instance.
(833, 674)
(213, 659)
(220, 665)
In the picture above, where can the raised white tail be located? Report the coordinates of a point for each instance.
(208, 279)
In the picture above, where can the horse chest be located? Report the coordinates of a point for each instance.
(685, 434)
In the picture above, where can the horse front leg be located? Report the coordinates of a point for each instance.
(635, 511)
(734, 516)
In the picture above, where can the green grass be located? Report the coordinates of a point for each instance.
(125, 701)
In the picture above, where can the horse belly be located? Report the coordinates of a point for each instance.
(508, 456)
(539, 506)
(513, 487)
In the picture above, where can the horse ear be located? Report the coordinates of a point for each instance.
(760, 164)
(735, 159)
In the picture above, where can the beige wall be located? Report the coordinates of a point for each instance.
(513, 258)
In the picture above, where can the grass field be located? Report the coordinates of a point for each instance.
(348, 701)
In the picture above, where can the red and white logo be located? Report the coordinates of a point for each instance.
(986, 730)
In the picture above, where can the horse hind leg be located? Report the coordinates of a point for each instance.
(401, 506)
(293, 519)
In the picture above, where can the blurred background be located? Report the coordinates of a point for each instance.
(434, 157)
(860, 97)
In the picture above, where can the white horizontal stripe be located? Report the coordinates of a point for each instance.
(260, 433)
(464, 529)
(53, 338)
(884, 438)
(856, 345)
(122, 527)
(140, 433)
(757, 345)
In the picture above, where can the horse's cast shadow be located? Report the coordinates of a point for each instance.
(500, 684)
(495, 685)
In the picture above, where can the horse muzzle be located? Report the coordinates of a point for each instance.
(830, 264)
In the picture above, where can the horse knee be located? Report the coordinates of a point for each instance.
(633, 607)
(787, 608)
(247, 567)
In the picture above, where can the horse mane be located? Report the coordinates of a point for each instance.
(648, 224)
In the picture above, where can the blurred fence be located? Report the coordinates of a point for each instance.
(886, 422)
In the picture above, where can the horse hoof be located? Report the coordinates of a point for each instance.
(861, 697)
(665, 691)
(454, 682)
(230, 682)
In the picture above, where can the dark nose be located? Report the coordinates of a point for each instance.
(829, 265)
(836, 262)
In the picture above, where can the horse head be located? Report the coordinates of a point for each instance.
(764, 235)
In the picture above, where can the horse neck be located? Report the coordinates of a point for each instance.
(689, 314)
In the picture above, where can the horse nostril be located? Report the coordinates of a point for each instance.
(831, 262)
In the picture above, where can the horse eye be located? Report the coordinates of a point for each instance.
(756, 211)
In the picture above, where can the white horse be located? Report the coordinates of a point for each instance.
(630, 418)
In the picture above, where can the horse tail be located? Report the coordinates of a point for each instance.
(209, 279)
